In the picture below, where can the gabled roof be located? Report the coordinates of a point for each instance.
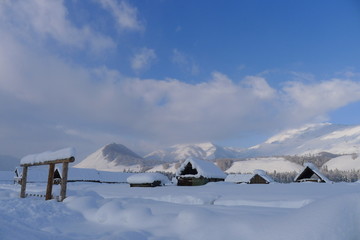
(203, 168)
(308, 171)
(245, 178)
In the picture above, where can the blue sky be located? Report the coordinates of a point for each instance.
(152, 73)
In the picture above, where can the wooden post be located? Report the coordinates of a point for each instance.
(50, 181)
(23, 181)
(64, 177)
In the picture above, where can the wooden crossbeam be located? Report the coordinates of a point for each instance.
(68, 160)
(50, 182)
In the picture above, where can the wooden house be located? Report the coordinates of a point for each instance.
(258, 177)
(311, 173)
(194, 172)
(147, 180)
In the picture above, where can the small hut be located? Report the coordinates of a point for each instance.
(258, 177)
(311, 173)
(195, 172)
(147, 180)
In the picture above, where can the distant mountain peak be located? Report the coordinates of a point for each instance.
(111, 156)
(310, 139)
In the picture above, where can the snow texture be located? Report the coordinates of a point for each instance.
(204, 168)
(147, 178)
(268, 164)
(344, 163)
(48, 156)
(96, 211)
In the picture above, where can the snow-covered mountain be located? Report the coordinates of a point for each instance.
(113, 157)
(310, 139)
(179, 152)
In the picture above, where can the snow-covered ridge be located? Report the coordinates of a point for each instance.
(180, 152)
(291, 133)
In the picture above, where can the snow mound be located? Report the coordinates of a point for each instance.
(147, 178)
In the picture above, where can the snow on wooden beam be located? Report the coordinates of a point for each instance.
(63, 156)
(68, 160)
(60, 156)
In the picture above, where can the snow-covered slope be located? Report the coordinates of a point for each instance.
(113, 157)
(180, 152)
(310, 139)
(269, 164)
(166, 167)
(344, 163)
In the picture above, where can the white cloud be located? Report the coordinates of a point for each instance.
(143, 59)
(319, 98)
(32, 19)
(40, 92)
(126, 16)
(260, 87)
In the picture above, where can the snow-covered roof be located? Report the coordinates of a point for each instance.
(147, 178)
(245, 178)
(315, 170)
(204, 168)
(263, 174)
(48, 156)
(239, 178)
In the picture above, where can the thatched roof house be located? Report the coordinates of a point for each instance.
(258, 177)
(147, 180)
(194, 172)
(311, 173)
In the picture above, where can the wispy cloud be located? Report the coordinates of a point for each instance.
(142, 59)
(185, 62)
(126, 16)
(33, 20)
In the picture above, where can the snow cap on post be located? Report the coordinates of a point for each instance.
(48, 156)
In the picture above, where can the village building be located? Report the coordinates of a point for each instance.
(311, 173)
(195, 172)
(258, 177)
(147, 180)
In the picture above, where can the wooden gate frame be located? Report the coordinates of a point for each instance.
(50, 182)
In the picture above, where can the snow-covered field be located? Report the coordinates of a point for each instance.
(214, 211)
